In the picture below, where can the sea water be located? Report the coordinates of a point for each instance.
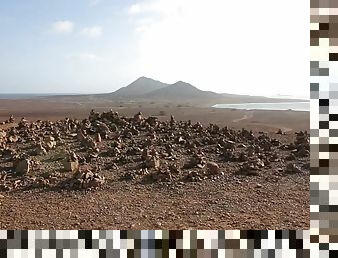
(295, 106)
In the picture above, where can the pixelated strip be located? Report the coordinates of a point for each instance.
(324, 128)
(105, 243)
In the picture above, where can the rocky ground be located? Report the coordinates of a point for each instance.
(111, 171)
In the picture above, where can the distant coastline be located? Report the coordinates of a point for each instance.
(31, 95)
(294, 106)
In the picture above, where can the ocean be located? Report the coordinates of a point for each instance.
(295, 106)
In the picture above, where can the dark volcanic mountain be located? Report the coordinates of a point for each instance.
(146, 88)
(180, 90)
(141, 86)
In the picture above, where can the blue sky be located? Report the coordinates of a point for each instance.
(88, 46)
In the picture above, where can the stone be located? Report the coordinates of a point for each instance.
(72, 166)
(23, 167)
(138, 117)
(80, 136)
(98, 137)
(90, 143)
(292, 168)
(50, 143)
(13, 138)
(40, 150)
(212, 168)
(86, 180)
(161, 176)
(2, 134)
(153, 162)
(11, 119)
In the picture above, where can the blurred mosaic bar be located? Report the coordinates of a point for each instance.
(324, 126)
(154, 243)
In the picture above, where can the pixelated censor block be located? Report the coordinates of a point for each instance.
(324, 127)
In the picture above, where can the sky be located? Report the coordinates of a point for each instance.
(95, 46)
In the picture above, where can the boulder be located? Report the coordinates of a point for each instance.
(23, 167)
(72, 166)
(212, 168)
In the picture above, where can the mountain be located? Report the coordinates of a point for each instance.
(147, 89)
(141, 86)
(180, 90)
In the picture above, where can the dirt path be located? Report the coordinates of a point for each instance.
(245, 117)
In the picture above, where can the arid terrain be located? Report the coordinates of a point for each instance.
(128, 170)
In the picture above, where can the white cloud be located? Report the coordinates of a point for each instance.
(224, 46)
(92, 32)
(84, 57)
(65, 27)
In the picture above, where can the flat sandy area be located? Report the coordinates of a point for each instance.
(257, 120)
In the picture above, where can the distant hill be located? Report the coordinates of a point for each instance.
(147, 88)
(141, 86)
(180, 90)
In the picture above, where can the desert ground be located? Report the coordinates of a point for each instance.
(140, 182)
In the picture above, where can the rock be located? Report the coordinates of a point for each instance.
(98, 137)
(251, 168)
(195, 161)
(3, 176)
(71, 163)
(152, 162)
(93, 116)
(23, 167)
(152, 121)
(5, 188)
(302, 152)
(138, 117)
(13, 138)
(80, 136)
(50, 143)
(92, 183)
(227, 155)
(228, 145)
(242, 157)
(292, 168)
(11, 119)
(161, 176)
(40, 150)
(174, 169)
(90, 143)
(72, 166)
(87, 179)
(3, 134)
(212, 168)
(290, 157)
(194, 176)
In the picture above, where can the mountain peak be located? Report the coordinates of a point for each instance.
(145, 87)
(144, 78)
(182, 84)
(140, 86)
